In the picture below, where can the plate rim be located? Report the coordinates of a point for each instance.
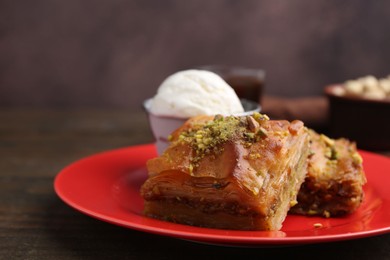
(210, 238)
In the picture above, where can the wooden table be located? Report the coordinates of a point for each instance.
(35, 224)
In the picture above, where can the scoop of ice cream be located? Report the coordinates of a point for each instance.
(195, 92)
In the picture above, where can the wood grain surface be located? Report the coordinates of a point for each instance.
(35, 224)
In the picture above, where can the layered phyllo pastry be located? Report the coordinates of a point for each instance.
(241, 173)
(334, 182)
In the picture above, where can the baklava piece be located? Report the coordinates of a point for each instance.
(239, 173)
(334, 183)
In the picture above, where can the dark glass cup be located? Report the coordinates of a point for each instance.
(248, 83)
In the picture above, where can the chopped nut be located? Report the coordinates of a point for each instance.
(357, 158)
(317, 225)
(218, 117)
(354, 87)
(190, 168)
(249, 135)
(293, 203)
(326, 214)
(369, 82)
(328, 141)
(262, 132)
(368, 87)
(258, 117)
(255, 190)
(253, 125)
(253, 156)
(334, 154)
(208, 139)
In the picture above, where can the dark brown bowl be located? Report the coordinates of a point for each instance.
(365, 121)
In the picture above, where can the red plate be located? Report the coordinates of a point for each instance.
(106, 186)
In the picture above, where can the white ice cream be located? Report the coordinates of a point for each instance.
(195, 92)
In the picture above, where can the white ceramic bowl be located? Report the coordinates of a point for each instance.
(163, 126)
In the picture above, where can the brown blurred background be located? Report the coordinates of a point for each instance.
(115, 53)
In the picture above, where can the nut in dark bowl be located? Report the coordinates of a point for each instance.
(363, 119)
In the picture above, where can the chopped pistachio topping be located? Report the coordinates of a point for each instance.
(331, 152)
(262, 132)
(357, 158)
(260, 117)
(334, 154)
(208, 138)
